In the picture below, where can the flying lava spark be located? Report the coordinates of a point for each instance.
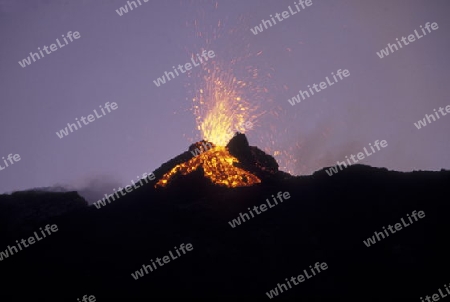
(222, 102)
(218, 108)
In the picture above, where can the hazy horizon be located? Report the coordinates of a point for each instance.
(117, 58)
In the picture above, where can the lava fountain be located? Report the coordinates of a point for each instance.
(228, 94)
(219, 108)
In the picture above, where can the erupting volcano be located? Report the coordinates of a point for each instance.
(218, 166)
(235, 165)
(221, 105)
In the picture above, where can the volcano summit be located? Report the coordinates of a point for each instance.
(325, 219)
(236, 165)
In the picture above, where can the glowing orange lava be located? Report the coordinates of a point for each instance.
(218, 166)
(228, 94)
(219, 109)
(220, 106)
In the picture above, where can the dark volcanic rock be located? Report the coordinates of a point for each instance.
(325, 219)
(250, 159)
(26, 210)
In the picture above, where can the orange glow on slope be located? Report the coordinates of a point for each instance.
(223, 103)
(218, 166)
(220, 109)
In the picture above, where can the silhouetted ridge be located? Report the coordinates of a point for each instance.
(23, 211)
(326, 219)
(251, 159)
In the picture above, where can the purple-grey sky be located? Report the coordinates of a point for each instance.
(118, 57)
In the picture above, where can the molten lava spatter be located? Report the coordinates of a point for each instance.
(228, 93)
(217, 164)
(220, 105)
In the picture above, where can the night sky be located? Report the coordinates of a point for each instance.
(117, 58)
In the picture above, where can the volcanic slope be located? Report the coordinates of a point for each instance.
(326, 219)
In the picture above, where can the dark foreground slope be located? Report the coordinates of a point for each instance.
(325, 220)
